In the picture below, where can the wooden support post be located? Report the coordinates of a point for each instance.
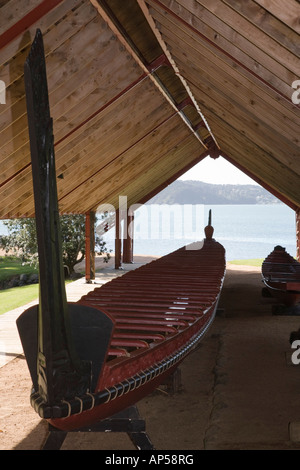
(89, 246)
(298, 233)
(128, 239)
(118, 241)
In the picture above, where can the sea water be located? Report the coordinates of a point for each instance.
(245, 231)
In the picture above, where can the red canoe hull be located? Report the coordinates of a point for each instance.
(160, 312)
(281, 276)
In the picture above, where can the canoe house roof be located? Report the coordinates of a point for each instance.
(142, 90)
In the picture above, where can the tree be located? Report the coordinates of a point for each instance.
(22, 240)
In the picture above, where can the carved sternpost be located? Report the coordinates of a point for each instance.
(60, 373)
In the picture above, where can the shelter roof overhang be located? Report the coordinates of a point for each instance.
(142, 90)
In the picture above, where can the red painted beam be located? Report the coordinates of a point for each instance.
(27, 21)
(160, 61)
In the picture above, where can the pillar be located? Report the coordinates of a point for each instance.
(298, 233)
(90, 246)
(128, 239)
(118, 241)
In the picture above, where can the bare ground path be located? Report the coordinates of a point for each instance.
(239, 389)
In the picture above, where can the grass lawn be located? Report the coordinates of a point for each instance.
(247, 262)
(17, 296)
(11, 266)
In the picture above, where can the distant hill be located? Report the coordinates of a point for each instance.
(197, 192)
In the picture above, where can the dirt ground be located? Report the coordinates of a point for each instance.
(238, 389)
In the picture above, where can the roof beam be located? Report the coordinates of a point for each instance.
(113, 24)
(176, 70)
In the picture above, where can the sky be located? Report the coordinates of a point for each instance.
(218, 171)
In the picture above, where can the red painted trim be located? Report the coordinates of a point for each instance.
(27, 21)
(219, 48)
(15, 174)
(161, 61)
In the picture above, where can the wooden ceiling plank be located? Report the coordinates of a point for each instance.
(55, 33)
(44, 23)
(231, 42)
(246, 127)
(10, 192)
(15, 134)
(89, 97)
(137, 102)
(240, 95)
(166, 137)
(133, 163)
(97, 157)
(227, 127)
(202, 54)
(72, 115)
(16, 190)
(244, 64)
(169, 57)
(98, 160)
(143, 180)
(267, 23)
(137, 58)
(14, 11)
(14, 137)
(14, 163)
(283, 179)
(289, 196)
(142, 103)
(289, 15)
(19, 43)
(61, 64)
(245, 24)
(259, 181)
(228, 81)
(151, 177)
(248, 44)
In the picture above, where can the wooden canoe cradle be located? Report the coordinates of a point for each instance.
(91, 360)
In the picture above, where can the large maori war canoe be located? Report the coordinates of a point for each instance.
(91, 359)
